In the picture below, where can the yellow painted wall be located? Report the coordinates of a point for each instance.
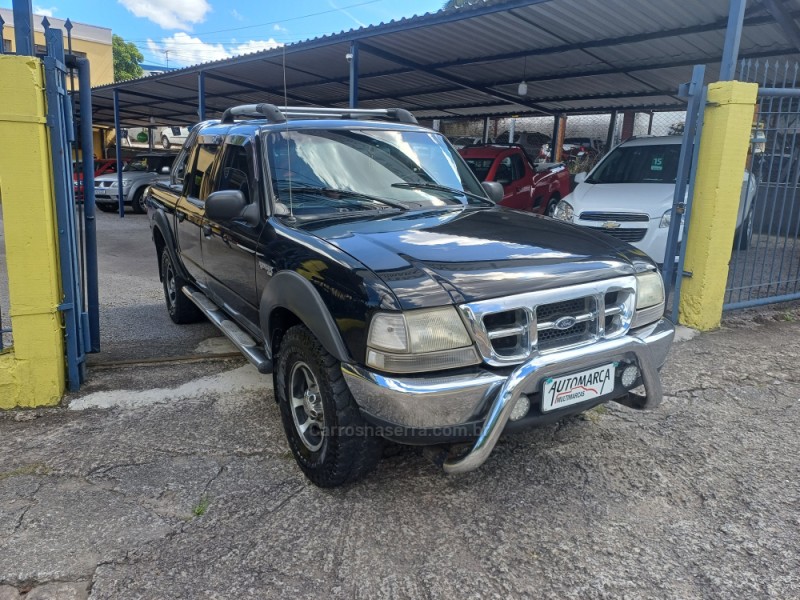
(728, 121)
(32, 372)
(100, 56)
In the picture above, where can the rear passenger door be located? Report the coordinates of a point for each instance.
(229, 247)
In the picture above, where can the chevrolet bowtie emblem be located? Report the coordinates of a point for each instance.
(610, 225)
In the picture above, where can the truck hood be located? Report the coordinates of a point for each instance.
(651, 198)
(435, 257)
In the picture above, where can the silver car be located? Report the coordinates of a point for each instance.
(137, 174)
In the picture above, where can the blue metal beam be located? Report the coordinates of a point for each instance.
(733, 36)
(118, 144)
(201, 95)
(90, 223)
(353, 74)
(453, 79)
(23, 27)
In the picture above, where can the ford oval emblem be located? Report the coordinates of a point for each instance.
(565, 323)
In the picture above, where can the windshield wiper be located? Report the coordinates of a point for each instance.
(348, 193)
(423, 185)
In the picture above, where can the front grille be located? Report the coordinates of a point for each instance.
(547, 315)
(513, 329)
(610, 216)
(626, 235)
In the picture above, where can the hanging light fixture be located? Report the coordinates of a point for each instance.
(522, 90)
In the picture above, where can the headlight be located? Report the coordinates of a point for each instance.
(419, 340)
(649, 298)
(564, 211)
(665, 219)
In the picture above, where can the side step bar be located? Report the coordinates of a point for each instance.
(241, 339)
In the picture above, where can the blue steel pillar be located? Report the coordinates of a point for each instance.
(118, 145)
(201, 95)
(733, 35)
(354, 74)
(87, 149)
(23, 27)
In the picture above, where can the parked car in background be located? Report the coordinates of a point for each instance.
(576, 150)
(525, 186)
(137, 174)
(532, 141)
(101, 167)
(173, 136)
(629, 196)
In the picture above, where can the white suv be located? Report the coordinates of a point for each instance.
(173, 136)
(629, 195)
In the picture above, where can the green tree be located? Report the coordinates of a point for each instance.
(126, 59)
(459, 3)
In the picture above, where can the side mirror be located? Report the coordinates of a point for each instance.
(494, 190)
(225, 205)
(165, 170)
(580, 177)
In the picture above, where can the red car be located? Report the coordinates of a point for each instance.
(101, 167)
(532, 188)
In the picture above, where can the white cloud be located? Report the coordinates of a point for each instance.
(44, 12)
(237, 15)
(170, 14)
(279, 28)
(186, 50)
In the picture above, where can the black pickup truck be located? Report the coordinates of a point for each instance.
(354, 255)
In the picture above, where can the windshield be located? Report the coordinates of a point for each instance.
(341, 170)
(149, 164)
(639, 164)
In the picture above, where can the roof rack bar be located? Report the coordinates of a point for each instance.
(279, 114)
(397, 114)
(270, 111)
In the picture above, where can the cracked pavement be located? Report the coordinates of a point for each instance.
(200, 497)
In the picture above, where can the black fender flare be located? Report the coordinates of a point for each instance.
(161, 223)
(297, 294)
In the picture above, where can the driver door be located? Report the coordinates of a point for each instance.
(229, 247)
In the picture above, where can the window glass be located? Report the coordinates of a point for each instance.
(480, 166)
(504, 173)
(639, 164)
(200, 176)
(517, 167)
(234, 172)
(341, 170)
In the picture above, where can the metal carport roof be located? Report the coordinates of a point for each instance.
(577, 56)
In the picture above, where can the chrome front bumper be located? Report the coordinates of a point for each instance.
(487, 396)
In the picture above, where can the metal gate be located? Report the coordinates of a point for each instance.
(765, 262)
(76, 221)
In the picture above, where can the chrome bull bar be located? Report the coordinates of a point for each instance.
(528, 377)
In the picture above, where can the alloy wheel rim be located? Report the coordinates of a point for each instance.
(170, 285)
(305, 404)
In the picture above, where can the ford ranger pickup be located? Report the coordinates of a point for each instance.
(354, 256)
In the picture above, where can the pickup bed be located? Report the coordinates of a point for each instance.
(525, 186)
(354, 256)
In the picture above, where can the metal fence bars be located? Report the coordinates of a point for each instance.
(765, 262)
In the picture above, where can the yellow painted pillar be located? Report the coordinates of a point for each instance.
(720, 172)
(32, 372)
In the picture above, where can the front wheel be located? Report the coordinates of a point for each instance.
(744, 234)
(165, 142)
(139, 202)
(329, 439)
(181, 309)
(551, 206)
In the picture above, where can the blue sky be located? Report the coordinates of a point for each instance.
(185, 32)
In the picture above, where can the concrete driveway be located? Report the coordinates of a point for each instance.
(176, 481)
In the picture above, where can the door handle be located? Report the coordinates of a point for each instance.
(207, 231)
